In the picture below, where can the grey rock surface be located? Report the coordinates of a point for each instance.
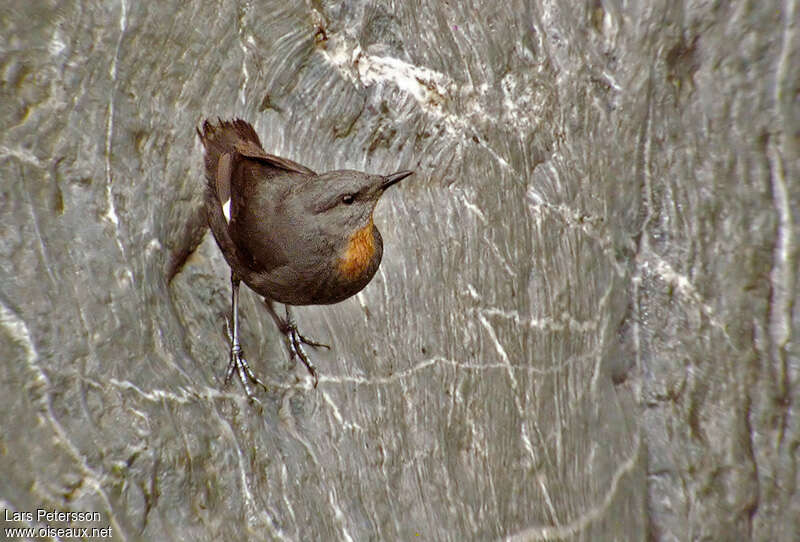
(584, 326)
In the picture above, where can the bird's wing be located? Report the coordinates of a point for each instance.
(250, 149)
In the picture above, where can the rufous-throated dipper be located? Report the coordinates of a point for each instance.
(294, 236)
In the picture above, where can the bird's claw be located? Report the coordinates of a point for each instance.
(238, 364)
(295, 342)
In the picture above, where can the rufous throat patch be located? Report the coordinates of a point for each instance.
(358, 254)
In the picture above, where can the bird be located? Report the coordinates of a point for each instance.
(294, 236)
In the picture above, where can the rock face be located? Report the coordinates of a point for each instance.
(584, 327)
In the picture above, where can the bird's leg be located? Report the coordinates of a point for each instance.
(238, 364)
(294, 339)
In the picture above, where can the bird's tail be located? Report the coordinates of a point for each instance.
(219, 141)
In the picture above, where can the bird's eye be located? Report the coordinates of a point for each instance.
(347, 199)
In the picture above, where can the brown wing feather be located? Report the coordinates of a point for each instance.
(240, 137)
(251, 150)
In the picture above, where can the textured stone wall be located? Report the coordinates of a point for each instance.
(584, 326)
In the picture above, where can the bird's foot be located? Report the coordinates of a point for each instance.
(238, 364)
(295, 341)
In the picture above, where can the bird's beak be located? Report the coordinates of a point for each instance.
(394, 178)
